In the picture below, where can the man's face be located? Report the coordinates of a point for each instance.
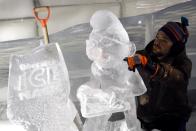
(162, 44)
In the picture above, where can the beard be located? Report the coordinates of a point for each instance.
(158, 54)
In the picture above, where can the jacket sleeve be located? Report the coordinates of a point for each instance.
(179, 73)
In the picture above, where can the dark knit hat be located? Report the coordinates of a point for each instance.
(177, 33)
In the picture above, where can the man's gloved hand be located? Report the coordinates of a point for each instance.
(136, 61)
(140, 61)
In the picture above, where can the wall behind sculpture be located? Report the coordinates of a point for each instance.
(67, 13)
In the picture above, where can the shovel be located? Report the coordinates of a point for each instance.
(38, 11)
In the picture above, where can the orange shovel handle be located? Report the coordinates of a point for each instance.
(36, 12)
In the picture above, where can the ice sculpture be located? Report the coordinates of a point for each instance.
(38, 91)
(112, 87)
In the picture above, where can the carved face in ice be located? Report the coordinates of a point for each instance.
(108, 42)
(105, 51)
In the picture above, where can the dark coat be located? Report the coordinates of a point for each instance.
(166, 95)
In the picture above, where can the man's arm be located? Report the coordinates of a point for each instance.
(161, 71)
(178, 73)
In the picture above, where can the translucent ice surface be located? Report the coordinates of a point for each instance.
(96, 102)
(112, 87)
(38, 91)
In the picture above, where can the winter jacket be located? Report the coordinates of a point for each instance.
(166, 92)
